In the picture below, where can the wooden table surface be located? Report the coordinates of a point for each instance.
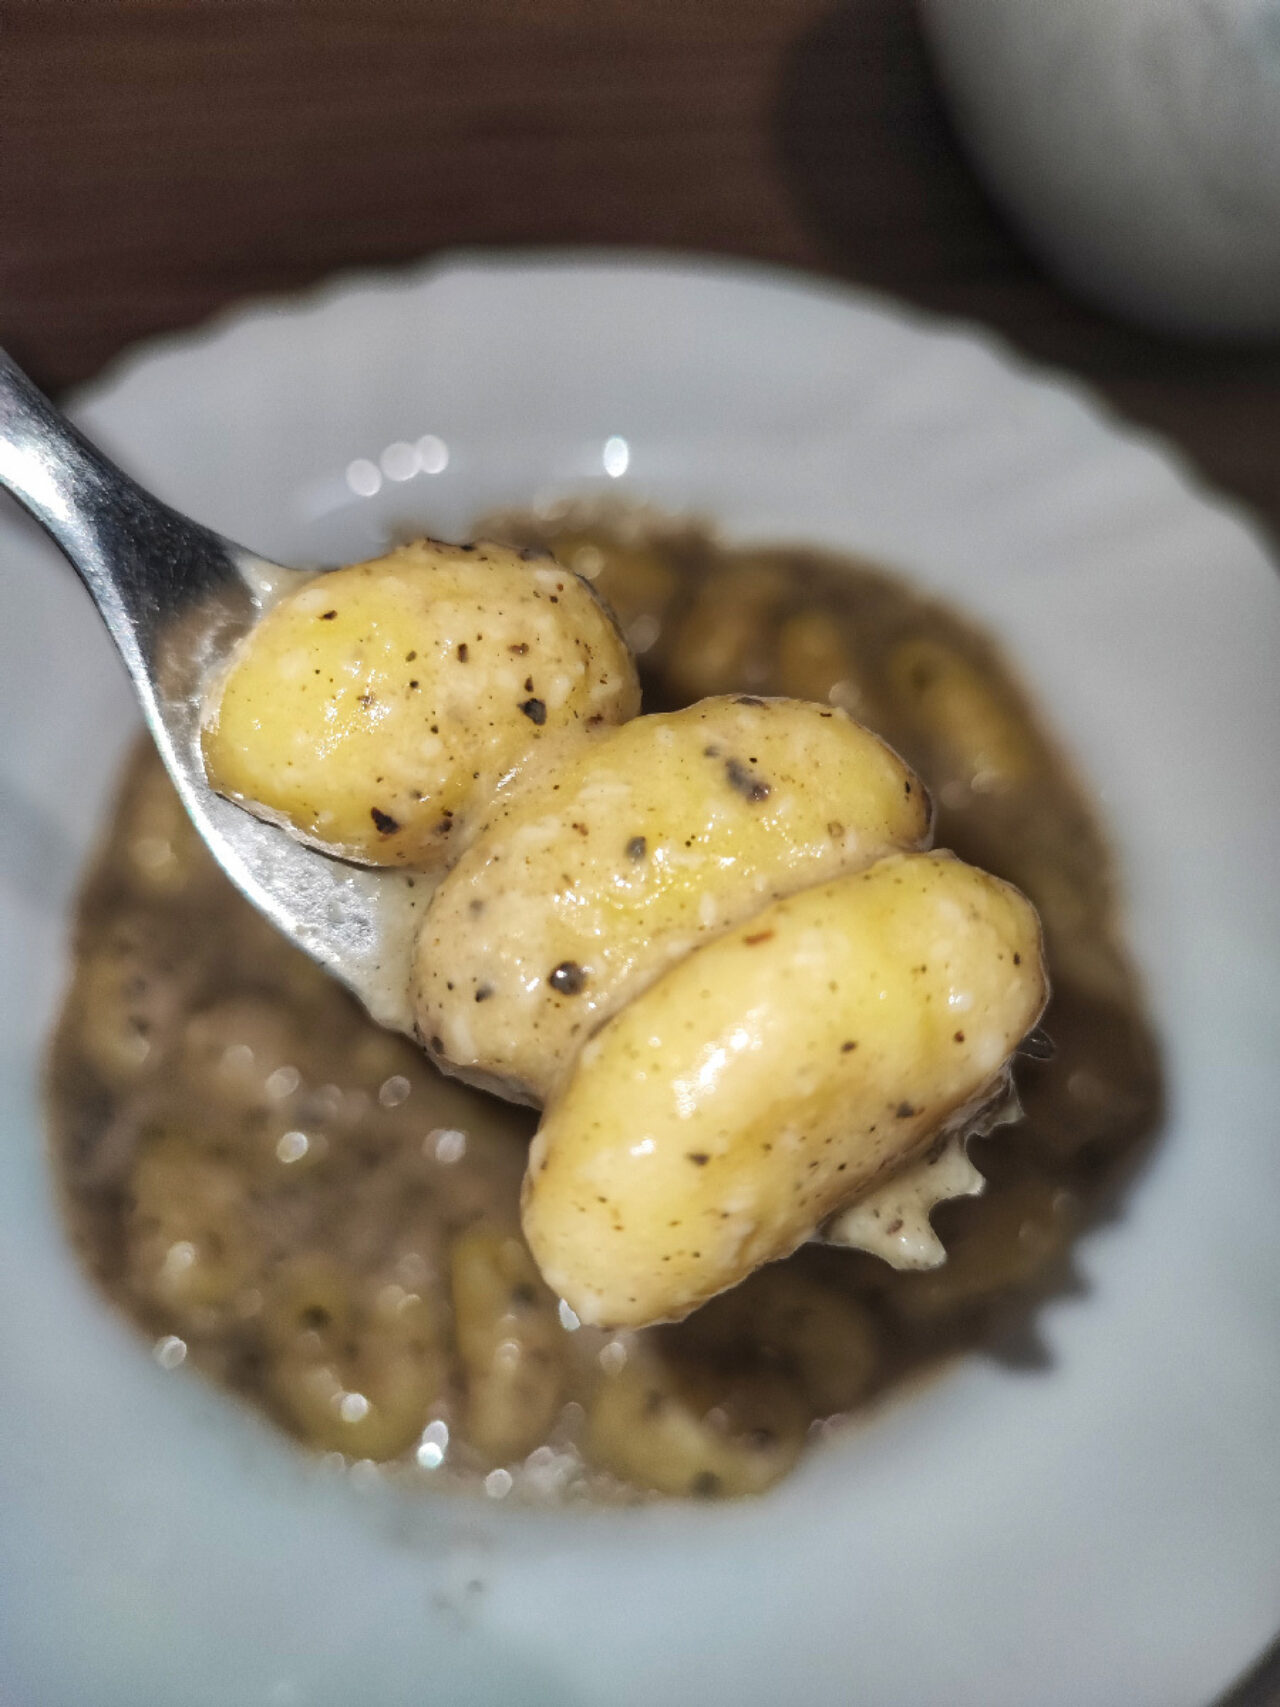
(160, 158)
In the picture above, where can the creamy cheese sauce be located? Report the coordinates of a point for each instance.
(295, 1203)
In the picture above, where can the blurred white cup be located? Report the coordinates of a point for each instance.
(1136, 144)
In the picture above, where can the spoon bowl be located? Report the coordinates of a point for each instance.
(176, 597)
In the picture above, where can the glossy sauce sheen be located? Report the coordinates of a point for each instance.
(293, 1201)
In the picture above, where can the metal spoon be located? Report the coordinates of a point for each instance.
(175, 597)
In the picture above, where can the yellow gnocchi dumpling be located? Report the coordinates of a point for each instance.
(771, 1077)
(509, 1342)
(606, 868)
(375, 711)
(976, 738)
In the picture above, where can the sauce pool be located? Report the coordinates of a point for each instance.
(294, 1202)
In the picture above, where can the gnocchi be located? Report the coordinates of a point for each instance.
(679, 1430)
(771, 1077)
(508, 1337)
(826, 1340)
(188, 1243)
(795, 1000)
(375, 711)
(977, 738)
(356, 1370)
(603, 871)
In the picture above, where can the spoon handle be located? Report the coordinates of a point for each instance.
(140, 560)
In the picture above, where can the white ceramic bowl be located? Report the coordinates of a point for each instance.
(1103, 1530)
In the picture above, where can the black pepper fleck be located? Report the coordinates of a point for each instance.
(384, 821)
(637, 848)
(748, 785)
(535, 710)
(568, 978)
